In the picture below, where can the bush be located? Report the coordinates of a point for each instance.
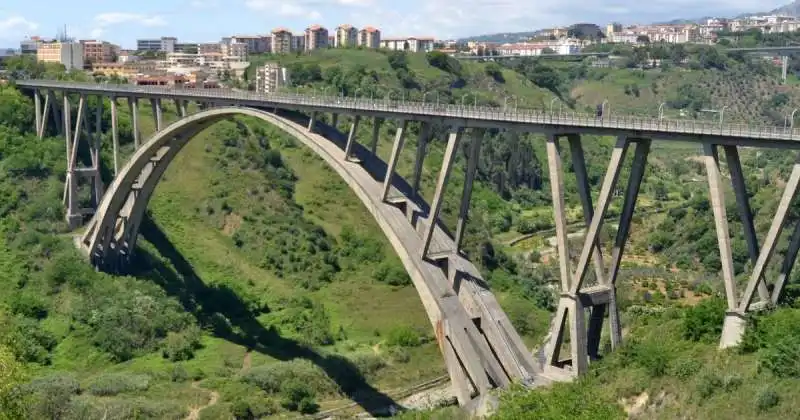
(685, 368)
(298, 396)
(116, 383)
(391, 273)
(181, 346)
(270, 377)
(368, 363)
(703, 322)
(254, 407)
(403, 336)
(767, 399)
(28, 304)
(577, 401)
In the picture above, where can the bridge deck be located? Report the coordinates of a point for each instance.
(467, 116)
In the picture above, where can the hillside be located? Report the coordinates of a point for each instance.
(264, 286)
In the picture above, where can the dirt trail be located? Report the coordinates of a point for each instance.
(247, 362)
(194, 412)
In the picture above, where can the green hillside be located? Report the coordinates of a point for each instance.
(263, 285)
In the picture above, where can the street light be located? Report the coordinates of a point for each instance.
(604, 107)
(791, 119)
(661, 111)
(551, 104)
(722, 115)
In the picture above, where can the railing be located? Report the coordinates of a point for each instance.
(388, 105)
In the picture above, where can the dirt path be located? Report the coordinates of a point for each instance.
(247, 362)
(194, 412)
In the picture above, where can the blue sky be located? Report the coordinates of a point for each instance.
(208, 20)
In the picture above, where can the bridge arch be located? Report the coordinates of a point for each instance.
(480, 347)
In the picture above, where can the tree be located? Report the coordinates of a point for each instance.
(643, 39)
(12, 406)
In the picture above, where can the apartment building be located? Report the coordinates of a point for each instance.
(207, 48)
(281, 41)
(165, 44)
(256, 44)
(270, 77)
(412, 44)
(95, 51)
(69, 54)
(298, 43)
(235, 51)
(346, 36)
(316, 37)
(30, 45)
(369, 37)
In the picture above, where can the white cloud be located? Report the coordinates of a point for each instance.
(302, 8)
(204, 4)
(115, 18)
(16, 26)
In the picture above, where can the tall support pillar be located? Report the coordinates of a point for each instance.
(115, 134)
(334, 120)
(37, 104)
(399, 139)
(453, 139)
(351, 138)
(784, 67)
(96, 144)
(59, 122)
(133, 103)
(469, 178)
(157, 113)
(376, 132)
(575, 297)
(180, 106)
(422, 144)
(45, 116)
(73, 216)
(312, 121)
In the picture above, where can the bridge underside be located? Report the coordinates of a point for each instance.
(480, 347)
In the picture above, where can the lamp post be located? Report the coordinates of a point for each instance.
(661, 111)
(791, 119)
(551, 104)
(722, 115)
(604, 107)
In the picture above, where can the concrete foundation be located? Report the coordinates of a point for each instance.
(732, 330)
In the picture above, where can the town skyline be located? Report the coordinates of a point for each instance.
(202, 20)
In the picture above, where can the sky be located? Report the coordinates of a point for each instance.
(208, 20)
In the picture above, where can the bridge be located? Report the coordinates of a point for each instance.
(480, 347)
(552, 56)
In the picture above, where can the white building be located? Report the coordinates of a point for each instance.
(70, 54)
(412, 44)
(270, 77)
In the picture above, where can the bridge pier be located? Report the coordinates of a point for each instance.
(466, 194)
(157, 114)
(422, 143)
(334, 120)
(600, 297)
(453, 140)
(376, 132)
(115, 133)
(351, 139)
(739, 305)
(74, 213)
(397, 147)
(312, 121)
(133, 104)
(37, 105)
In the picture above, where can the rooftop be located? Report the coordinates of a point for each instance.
(280, 29)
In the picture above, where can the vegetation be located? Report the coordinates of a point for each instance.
(261, 278)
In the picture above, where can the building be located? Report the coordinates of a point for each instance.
(30, 45)
(256, 44)
(412, 44)
(346, 36)
(70, 54)
(209, 48)
(235, 51)
(99, 52)
(270, 77)
(165, 44)
(316, 38)
(125, 56)
(298, 43)
(281, 41)
(369, 37)
(613, 28)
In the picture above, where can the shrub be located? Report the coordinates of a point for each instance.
(782, 357)
(707, 384)
(578, 401)
(181, 346)
(28, 304)
(116, 383)
(270, 377)
(767, 399)
(403, 336)
(298, 396)
(703, 322)
(391, 273)
(368, 363)
(254, 407)
(685, 368)
(51, 395)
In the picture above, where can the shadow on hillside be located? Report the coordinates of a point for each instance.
(207, 302)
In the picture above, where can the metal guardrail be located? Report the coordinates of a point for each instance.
(428, 109)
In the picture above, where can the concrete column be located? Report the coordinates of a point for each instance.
(717, 196)
(469, 178)
(351, 138)
(784, 67)
(56, 115)
(773, 235)
(570, 311)
(67, 129)
(628, 207)
(134, 105)
(72, 215)
(37, 104)
(45, 116)
(579, 166)
(115, 134)
(156, 105)
(98, 131)
(559, 213)
(603, 200)
(422, 142)
(745, 214)
(376, 132)
(788, 264)
(399, 139)
(183, 111)
(312, 121)
(438, 196)
(334, 120)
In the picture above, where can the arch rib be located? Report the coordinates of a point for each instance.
(490, 352)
